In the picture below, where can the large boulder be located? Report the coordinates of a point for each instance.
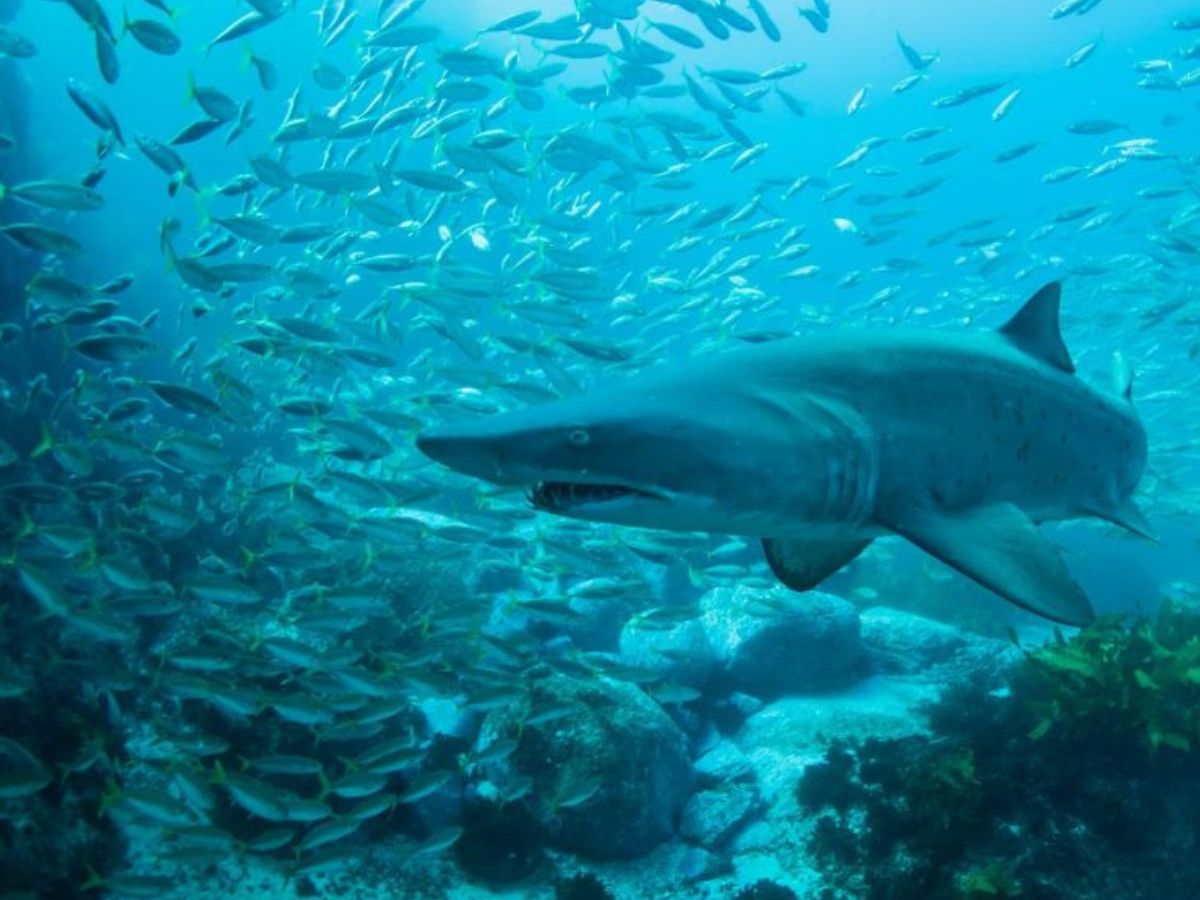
(905, 643)
(607, 768)
(712, 817)
(776, 642)
(902, 643)
(723, 763)
(681, 653)
(793, 732)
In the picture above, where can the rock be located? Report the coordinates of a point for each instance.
(697, 864)
(711, 818)
(729, 712)
(902, 643)
(598, 626)
(745, 705)
(682, 654)
(723, 764)
(777, 642)
(448, 717)
(794, 732)
(608, 777)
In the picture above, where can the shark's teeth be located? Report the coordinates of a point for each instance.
(560, 496)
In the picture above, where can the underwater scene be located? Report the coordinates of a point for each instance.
(581, 449)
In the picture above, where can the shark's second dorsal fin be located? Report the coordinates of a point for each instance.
(1035, 328)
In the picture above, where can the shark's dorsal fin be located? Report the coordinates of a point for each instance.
(1035, 328)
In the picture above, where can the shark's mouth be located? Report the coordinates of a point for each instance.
(563, 496)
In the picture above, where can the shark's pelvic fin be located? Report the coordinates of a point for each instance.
(999, 547)
(802, 564)
(1128, 516)
(1035, 328)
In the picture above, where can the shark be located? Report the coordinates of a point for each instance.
(960, 442)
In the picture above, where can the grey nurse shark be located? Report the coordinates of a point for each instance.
(958, 442)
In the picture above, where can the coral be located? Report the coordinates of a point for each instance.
(47, 838)
(999, 804)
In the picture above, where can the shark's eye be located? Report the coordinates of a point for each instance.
(579, 438)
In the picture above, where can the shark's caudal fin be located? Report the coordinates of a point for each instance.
(803, 564)
(1000, 547)
(1035, 328)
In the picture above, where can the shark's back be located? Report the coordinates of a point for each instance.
(969, 417)
(973, 417)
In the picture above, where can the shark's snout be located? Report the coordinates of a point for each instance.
(464, 448)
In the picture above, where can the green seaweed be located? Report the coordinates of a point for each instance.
(1076, 778)
(987, 882)
(1122, 682)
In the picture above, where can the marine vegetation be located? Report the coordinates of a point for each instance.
(765, 890)
(1076, 779)
(1116, 683)
(581, 886)
(988, 882)
(63, 744)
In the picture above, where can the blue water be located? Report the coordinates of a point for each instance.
(959, 254)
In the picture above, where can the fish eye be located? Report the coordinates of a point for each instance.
(579, 437)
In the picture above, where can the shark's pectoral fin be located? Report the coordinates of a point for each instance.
(999, 547)
(803, 564)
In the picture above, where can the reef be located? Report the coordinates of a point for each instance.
(1077, 780)
(51, 824)
(608, 769)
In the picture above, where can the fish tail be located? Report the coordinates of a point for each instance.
(158, 670)
(45, 442)
(112, 795)
(94, 880)
(28, 526)
(202, 200)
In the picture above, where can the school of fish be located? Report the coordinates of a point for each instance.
(431, 227)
